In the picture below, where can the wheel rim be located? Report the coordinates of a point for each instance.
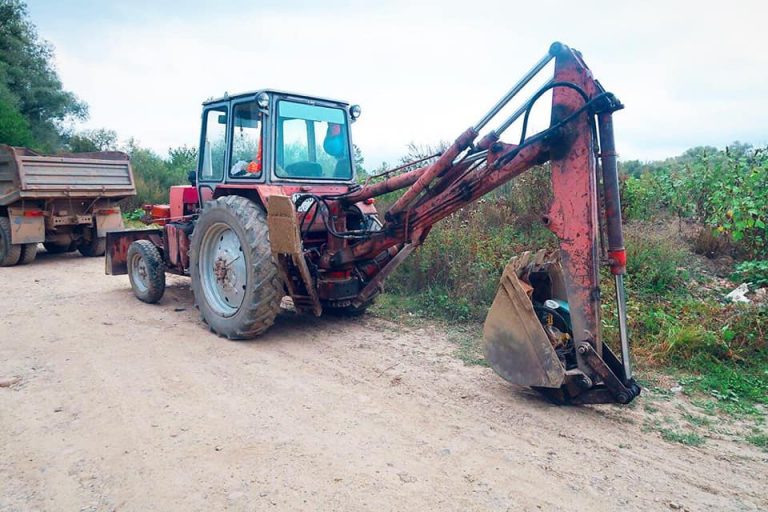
(222, 268)
(139, 273)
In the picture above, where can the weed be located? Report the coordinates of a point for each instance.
(469, 350)
(759, 440)
(755, 272)
(677, 436)
(697, 421)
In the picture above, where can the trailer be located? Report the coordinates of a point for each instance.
(67, 202)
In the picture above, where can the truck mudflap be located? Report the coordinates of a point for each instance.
(108, 219)
(118, 242)
(27, 225)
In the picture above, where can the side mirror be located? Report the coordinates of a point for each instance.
(192, 178)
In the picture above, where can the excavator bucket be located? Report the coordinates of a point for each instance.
(520, 337)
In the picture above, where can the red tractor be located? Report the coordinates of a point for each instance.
(274, 211)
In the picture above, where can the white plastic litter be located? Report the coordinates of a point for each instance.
(739, 294)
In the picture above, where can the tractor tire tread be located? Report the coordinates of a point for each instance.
(155, 268)
(261, 306)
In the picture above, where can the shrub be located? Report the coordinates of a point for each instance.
(655, 265)
(755, 272)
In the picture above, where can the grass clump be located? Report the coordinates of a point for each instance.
(677, 436)
(759, 440)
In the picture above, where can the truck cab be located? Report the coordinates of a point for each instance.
(271, 137)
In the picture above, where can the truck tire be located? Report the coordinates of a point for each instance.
(234, 277)
(9, 253)
(54, 248)
(146, 271)
(28, 254)
(94, 247)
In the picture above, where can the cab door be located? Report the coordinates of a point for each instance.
(213, 160)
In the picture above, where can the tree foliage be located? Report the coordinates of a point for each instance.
(92, 140)
(32, 100)
(154, 175)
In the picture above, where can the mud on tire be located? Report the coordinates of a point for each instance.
(243, 224)
(9, 253)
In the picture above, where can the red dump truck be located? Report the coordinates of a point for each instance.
(67, 202)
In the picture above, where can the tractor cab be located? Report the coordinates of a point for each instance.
(272, 137)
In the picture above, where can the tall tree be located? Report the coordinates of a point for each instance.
(32, 85)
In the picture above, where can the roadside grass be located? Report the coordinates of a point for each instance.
(759, 439)
(682, 437)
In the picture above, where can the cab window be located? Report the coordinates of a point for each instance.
(246, 159)
(312, 142)
(214, 144)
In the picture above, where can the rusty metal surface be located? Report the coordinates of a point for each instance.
(514, 342)
(116, 261)
(287, 249)
(27, 175)
(573, 213)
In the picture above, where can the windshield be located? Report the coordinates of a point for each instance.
(312, 142)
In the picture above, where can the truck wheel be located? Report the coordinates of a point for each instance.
(146, 271)
(9, 253)
(54, 248)
(96, 246)
(28, 254)
(234, 278)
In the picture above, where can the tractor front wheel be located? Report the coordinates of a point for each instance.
(234, 277)
(146, 271)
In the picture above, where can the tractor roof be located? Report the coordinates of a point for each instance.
(271, 92)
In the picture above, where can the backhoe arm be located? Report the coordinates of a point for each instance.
(468, 169)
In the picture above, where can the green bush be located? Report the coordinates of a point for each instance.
(755, 272)
(655, 265)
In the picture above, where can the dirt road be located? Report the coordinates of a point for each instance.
(127, 406)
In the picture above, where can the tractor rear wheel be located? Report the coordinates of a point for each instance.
(9, 253)
(28, 254)
(146, 271)
(234, 277)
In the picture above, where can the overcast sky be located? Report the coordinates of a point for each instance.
(689, 73)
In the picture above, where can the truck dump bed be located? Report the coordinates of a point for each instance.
(25, 174)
